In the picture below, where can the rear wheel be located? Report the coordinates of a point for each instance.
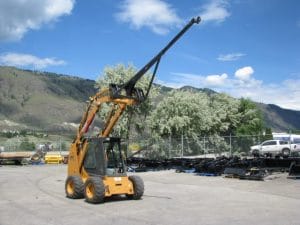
(255, 153)
(285, 152)
(74, 187)
(138, 187)
(94, 190)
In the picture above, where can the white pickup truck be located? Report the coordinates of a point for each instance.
(274, 148)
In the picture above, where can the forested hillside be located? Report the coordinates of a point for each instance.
(41, 100)
(48, 101)
(280, 119)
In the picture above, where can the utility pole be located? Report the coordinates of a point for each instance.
(182, 144)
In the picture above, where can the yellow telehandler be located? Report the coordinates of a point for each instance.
(96, 167)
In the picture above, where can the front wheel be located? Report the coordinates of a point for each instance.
(255, 153)
(74, 187)
(285, 152)
(138, 187)
(94, 190)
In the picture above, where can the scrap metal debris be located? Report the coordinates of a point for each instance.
(230, 167)
(294, 170)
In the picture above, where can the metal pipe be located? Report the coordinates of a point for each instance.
(129, 85)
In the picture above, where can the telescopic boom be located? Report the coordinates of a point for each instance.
(130, 84)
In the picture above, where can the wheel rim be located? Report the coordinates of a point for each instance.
(70, 187)
(90, 191)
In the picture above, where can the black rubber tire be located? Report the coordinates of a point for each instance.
(17, 162)
(285, 152)
(255, 153)
(94, 190)
(138, 187)
(36, 158)
(74, 187)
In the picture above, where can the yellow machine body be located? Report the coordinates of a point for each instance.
(96, 166)
(114, 185)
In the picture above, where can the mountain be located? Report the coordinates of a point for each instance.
(41, 100)
(53, 102)
(280, 119)
(193, 89)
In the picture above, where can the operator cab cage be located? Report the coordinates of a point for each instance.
(107, 150)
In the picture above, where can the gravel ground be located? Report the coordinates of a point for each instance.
(34, 195)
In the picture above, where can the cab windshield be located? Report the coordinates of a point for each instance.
(115, 163)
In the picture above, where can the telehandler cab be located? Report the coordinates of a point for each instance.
(96, 167)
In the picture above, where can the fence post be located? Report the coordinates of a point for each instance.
(182, 144)
(170, 146)
(230, 144)
(204, 145)
(147, 146)
(60, 145)
(290, 138)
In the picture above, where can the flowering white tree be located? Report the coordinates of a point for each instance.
(134, 115)
(182, 112)
(195, 114)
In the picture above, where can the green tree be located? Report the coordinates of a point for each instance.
(23, 133)
(195, 114)
(251, 122)
(134, 116)
(225, 114)
(268, 134)
(63, 146)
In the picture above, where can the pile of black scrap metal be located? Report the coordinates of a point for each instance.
(253, 173)
(294, 170)
(135, 164)
(234, 167)
(210, 167)
(247, 168)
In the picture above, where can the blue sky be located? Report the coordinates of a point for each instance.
(246, 48)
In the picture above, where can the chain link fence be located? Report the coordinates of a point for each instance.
(183, 147)
(13, 145)
(154, 148)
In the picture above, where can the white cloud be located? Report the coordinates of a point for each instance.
(230, 57)
(19, 16)
(292, 84)
(26, 60)
(244, 73)
(194, 58)
(285, 94)
(187, 79)
(169, 84)
(249, 83)
(156, 15)
(216, 80)
(280, 94)
(215, 11)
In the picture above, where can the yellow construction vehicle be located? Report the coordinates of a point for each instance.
(96, 167)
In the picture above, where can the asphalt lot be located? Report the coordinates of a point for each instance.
(34, 195)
